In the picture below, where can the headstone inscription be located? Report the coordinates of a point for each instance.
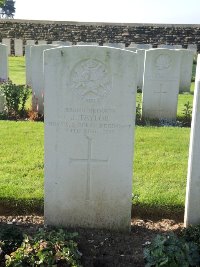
(192, 205)
(89, 128)
(161, 84)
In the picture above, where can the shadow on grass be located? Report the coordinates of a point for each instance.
(157, 212)
(36, 206)
(12, 206)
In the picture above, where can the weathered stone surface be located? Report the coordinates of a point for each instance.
(192, 205)
(161, 84)
(101, 32)
(90, 96)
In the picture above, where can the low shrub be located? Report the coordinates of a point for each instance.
(171, 251)
(192, 233)
(15, 97)
(45, 248)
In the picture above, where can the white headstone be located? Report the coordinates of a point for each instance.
(3, 62)
(2, 102)
(3, 71)
(161, 84)
(6, 42)
(192, 206)
(141, 46)
(187, 57)
(37, 77)
(89, 126)
(141, 57)
(28, 64)
(62, 43)
(87, 43)
(30, 42)
(170, 46)
(42, 42)
(18, 43)
(192, 47)
(115, 45)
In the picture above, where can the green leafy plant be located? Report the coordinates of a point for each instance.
(46, 248)
(171, 251)
(192, 233)
(187, 114)
(15, 98)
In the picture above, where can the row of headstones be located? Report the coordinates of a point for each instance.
(19, 45)
(90, 100)
(162, 73)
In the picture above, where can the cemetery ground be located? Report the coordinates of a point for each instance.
(159, 182)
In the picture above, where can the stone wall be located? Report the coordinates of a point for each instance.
(101, 32)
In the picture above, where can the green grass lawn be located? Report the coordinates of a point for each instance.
(160, 165)
(17, 69)
(22, 164)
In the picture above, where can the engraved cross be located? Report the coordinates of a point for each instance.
(88, 160)
(161, 94)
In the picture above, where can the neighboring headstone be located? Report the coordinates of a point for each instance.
(141, 56)
(62, 43)
(115, 45)
(161, 84)
(3, 70)
(192, 47)
(37, 77)
(170, 46)
(141, 46)
(87, 43)
(3, 62)
(6, 42)
(18, 44)
(42, 42)
(28, 64)
(89, 126)
(30, 42)
(192, 205)
(186, 69)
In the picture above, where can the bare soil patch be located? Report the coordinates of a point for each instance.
(102, 248)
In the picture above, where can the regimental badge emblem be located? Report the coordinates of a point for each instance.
(163, 62)
(91, 80)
